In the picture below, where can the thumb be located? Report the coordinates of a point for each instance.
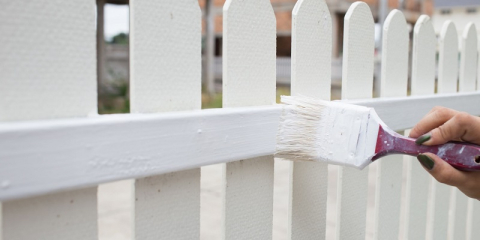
(441, 170)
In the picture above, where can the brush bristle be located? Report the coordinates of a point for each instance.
(298, 128)
(324, 131)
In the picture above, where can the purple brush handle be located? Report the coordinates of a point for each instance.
(462, 156)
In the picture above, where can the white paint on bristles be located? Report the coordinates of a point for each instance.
(323, 131)
(165, 77)
(311, 77)
(388, 178)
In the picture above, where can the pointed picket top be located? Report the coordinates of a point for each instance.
(358, 51)
(249, 53)
(468, 59)
(357, 82)
(249, 79)
(394, 81)
(448, 58)
(395, 55)
(311, 49)
(311, 76)
(423, 57)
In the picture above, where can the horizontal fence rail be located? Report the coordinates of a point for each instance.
(89, 151)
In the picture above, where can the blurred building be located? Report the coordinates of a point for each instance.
(460, 12)
(412, 9)
(111, 59)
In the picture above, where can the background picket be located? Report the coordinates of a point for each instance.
(459, 215)
(311, 68)
(423, 83)
(357, 82)
(166, 206)
(468, 59)
(447, 83)
(448, 59)
(249, 75)
(60, 84)
(475, 231)
(468, 73)
(393, 84)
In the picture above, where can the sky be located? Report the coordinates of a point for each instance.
(116, 20)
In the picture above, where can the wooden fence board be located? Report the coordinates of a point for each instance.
(357, 82)
(468, 59)
(447, 83)
(48, 71)
(311, 70)
(423, 83)
(249, 72)
(165, 40)
(394, 84)
(467, 83)
(448, 59)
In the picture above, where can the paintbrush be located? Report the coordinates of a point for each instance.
(352, 135)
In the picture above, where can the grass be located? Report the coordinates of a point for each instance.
(120, 103)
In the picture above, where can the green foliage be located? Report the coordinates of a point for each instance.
(121, 38)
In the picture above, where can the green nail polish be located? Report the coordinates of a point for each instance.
(426, 161)
(423, 139)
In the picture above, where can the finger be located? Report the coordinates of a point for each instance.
(462, 127)
(436, 117)
(441, 170)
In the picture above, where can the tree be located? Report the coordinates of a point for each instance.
(121, 38)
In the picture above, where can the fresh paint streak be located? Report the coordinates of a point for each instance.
(86, 152)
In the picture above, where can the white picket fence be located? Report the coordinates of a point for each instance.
(55, 149)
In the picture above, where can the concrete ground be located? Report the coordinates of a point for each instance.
(115, 205)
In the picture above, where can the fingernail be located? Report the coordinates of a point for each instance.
(423, 139)
(426, 161)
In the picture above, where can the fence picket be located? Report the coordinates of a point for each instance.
(467, 83)
(423, 83)
(311, 69)
(447, 83)
(460, 211)
(357, 82)
(165, 75)
(45, 76)
(394, 84)
(423, 57)
(468, 59)
(448, 59)
(249, 45)
(474, 230)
